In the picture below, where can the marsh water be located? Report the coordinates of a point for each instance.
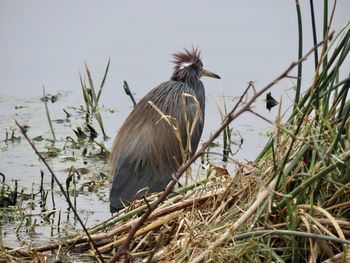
(45, 43)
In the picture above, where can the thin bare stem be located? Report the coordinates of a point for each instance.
(129, 93)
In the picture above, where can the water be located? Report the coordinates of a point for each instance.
(46, 43)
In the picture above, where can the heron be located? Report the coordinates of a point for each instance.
(149, 147)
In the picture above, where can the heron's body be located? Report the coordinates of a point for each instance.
(146, 152)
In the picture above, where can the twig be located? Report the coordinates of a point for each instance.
(260, 116)
(123, 249)
(62, 190)
(48, 115)
(129, 93)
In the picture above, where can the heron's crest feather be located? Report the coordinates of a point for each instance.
(187, 58)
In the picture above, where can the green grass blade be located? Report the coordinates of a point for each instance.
(325, 27)
(300, 53)
(85, 94)
(92, 88)
(95, 109)
(103, 80)
(314, 33)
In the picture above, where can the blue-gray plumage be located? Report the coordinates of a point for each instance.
(146, 152)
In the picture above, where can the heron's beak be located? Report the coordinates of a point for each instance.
(207, 73)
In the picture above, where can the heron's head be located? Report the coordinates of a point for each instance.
(189, 67)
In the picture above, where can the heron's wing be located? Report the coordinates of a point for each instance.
(129, 184)
(147, 152)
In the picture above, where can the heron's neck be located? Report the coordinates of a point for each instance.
(199, 90)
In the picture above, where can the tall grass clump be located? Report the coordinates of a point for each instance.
(311, 166)
(91, 99)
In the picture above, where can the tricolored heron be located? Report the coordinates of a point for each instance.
(148, 148)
